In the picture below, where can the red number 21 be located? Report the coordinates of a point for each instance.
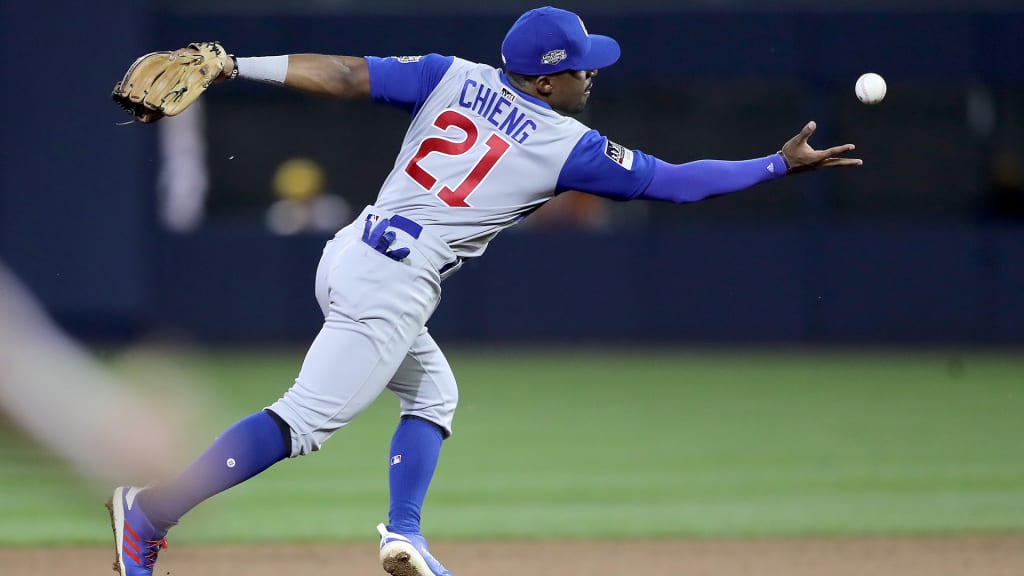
(496, 148)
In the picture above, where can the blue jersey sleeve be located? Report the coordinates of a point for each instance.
(695, 181)
(601, 167)
(406, 81)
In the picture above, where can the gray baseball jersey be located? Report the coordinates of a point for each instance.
(479, 156)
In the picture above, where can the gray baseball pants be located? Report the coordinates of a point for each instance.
(374, 337)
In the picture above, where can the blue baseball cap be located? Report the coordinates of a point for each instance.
(550, 40)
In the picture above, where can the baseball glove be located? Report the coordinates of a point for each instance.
(165, 83)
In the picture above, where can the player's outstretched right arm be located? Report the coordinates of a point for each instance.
(604, 168)
(342, 77)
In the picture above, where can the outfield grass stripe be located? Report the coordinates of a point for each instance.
(583, 444)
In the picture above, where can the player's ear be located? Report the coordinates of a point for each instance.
(544, 85)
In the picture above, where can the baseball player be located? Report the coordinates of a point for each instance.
(485, 148)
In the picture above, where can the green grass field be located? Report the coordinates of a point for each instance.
(581, 444)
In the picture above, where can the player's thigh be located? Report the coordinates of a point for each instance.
(344, 371)
(376, 310)
(425, 384)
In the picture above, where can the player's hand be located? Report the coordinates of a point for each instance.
(229, 69)
(378, 238)
(801, 157)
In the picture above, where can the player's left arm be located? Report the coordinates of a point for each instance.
(341, 77)
(404, 81)
(599, 166)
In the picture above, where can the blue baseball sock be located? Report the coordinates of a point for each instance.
(247, 448)
(415, 448)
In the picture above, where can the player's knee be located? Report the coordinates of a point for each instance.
(443, 414)
(452, 404)
(303, 443)
(306, 429)
(447, 410)
(297, 443)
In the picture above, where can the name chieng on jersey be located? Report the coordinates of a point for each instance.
(498, 108)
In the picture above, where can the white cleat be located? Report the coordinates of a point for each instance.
(407, 555)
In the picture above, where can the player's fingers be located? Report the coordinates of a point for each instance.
(808, 129)
(838, 150)
(833, 162)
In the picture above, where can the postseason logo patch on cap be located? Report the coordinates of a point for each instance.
(553, 57)
(619, 154)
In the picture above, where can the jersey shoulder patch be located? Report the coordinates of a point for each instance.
(619, 154)
(408, 59)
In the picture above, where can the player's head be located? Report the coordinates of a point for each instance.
(551, 50)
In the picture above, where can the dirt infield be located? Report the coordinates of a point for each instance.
(966, 556)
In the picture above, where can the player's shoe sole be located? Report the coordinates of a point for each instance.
(116, 509)
(399, 556)
(145, 549)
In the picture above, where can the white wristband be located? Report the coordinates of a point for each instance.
(273, 69)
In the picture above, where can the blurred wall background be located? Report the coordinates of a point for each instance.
(126, 231)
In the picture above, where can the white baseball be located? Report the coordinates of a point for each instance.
(870, 88)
